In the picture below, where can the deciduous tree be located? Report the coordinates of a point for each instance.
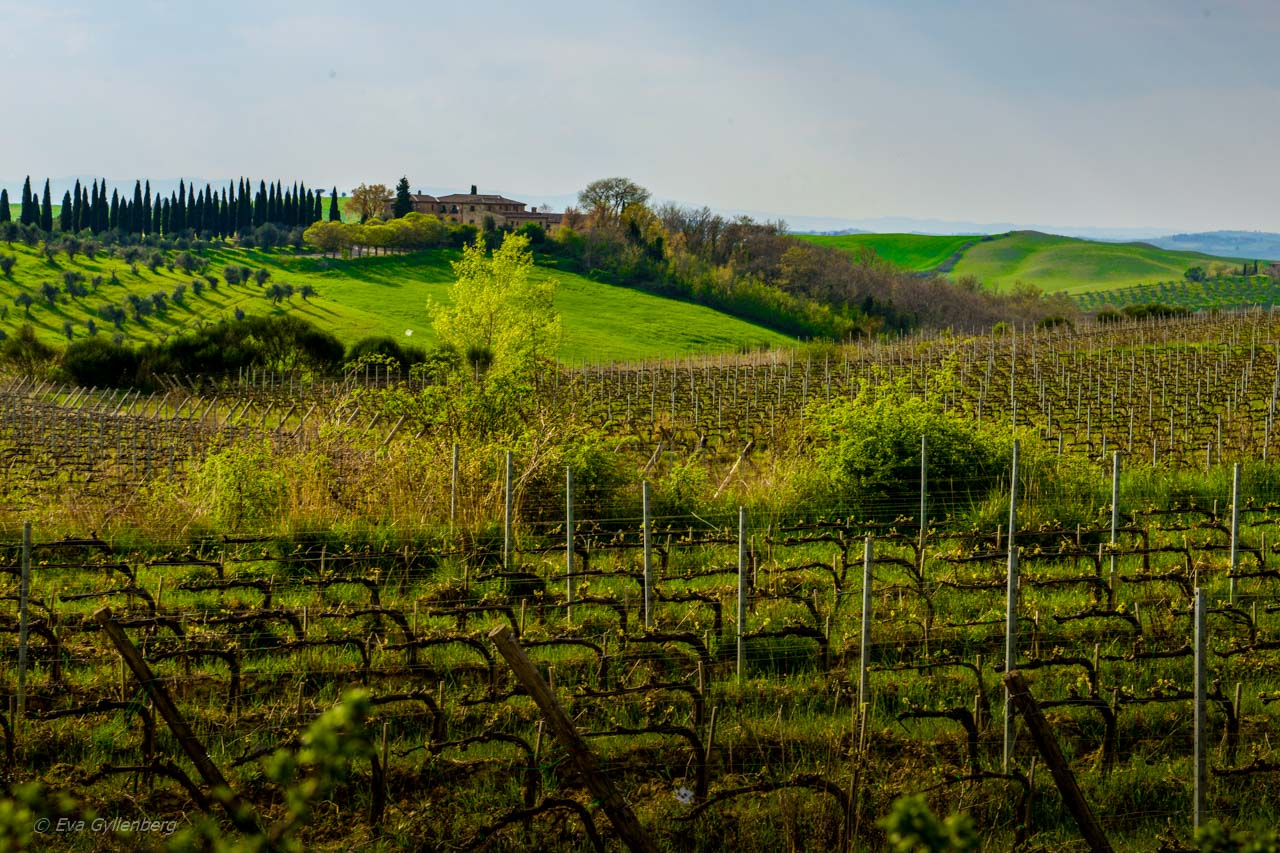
(502, 321)
(369, 200)
(606, 198)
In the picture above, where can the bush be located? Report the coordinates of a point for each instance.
(389, 349)
(241, 487)
(280, 343)
(100, 363)
(870, 453)
(25, 351)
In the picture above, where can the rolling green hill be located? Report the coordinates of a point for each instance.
(1069, 264)
(915, 252)
(367, 296)
(1047, 261)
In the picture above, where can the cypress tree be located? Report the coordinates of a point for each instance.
(244, 208)
(260, 205)
(77, 207)
(166, 216)
(64, 216)
(279, 202)
(91, 209)
(113, 214)
(26, 216)
(404, 201)
(135, 209)
(46, 214)
(157, 215)
(335, 215)
(5, 215)
(194, 217)
(146, 216)
(178, 213)
(273, 204)
(102, 213)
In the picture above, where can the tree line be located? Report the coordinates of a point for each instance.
(234, 210)
(759, 272)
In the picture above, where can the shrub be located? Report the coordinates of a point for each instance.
(100, 363)
(241, 487)
(870, 453)
(25, 351)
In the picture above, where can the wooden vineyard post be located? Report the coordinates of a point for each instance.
(924, 492)
(1235, 530)
(1047, 745)
(24, 593)
(506, 515)
(568, 537)
(864, 692)
(620, 814)
(453, 491)
(742, 590)
(1201, 778)
(1115, 524)
(648, 555)
(240, 812)
(1011, 608)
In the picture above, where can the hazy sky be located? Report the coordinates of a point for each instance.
(1113, 114)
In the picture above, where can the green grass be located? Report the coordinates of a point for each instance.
(1054, 263)
(1049, 262)
(371, 296)
(916, 252)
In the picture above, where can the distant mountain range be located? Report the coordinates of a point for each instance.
(1260, 245)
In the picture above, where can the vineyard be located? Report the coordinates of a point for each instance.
(1223, 292)
(770, 677)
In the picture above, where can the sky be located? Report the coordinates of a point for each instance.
(1154, 114)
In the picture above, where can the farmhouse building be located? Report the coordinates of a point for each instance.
(472, 208)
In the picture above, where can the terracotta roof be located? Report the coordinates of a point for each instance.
(467, 198)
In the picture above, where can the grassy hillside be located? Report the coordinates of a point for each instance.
(1068, 264)
(916, 252)
(367, 296)
(1050, 262)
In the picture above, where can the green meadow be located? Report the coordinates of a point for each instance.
(1054, 263)
(915, 252)
(1049, 262)
(386, 295)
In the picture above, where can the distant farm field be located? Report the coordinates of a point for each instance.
(1054, 263)
(1050, 262)
(916, 252)
(355, 298)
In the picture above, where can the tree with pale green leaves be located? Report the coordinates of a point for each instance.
(502, 321)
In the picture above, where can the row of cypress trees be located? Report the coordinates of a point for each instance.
(205, 212)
